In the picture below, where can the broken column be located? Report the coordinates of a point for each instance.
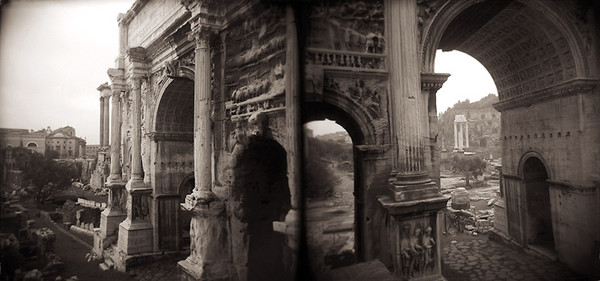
(209, 257)
(414, 203)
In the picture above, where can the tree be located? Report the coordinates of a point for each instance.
(44, 176)
(468, 167)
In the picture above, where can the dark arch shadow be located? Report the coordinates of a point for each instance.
(539, 230)
(261, 187)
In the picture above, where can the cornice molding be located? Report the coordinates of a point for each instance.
(567, 88)
(432, 82)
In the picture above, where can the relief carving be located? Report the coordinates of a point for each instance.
(417, 250)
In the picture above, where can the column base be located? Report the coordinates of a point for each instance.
(409, 187)
(109, 221)
(209, 241)
(135, 237)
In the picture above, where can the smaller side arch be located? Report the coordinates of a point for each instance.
(534, 154)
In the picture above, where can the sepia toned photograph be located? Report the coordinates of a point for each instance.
(251, 140)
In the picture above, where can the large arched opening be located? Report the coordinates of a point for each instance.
(336, 230)
(536, 53)
(539, 216)
(261, 191)
(173, 160)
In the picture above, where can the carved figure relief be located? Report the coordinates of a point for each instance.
(366, 93)
(417, 250)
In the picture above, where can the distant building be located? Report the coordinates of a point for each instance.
(66, 143)
(34, 140)
(91, 151)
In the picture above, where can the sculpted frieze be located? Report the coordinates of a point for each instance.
(355, 26)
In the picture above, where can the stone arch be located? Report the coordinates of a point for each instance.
(174, 103)
(527, 46)
(360, 126)
(32, 145)
(173, 159)
(533, 154)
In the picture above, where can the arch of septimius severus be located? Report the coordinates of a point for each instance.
(209, 97)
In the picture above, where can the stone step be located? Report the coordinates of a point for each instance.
(104, 267)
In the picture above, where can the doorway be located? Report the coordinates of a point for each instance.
(539, 215)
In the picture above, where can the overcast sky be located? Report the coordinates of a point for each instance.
(55, 53)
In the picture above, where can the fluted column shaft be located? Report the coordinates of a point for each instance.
(460, 136)
(102, 101)
(405, 86)
(455, 137)
(136, 135)
(107, 124)
(115, 145)
(202, 127)
(467, 134)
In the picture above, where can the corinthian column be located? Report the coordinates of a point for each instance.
(455, 136)
(209, 255)
(414, 204)
(115, 211)
(105, 133)
(405, 85)
(105, 92)
(136, 135)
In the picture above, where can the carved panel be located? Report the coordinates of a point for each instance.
(363, 96)
(347, 34)
(255, 61)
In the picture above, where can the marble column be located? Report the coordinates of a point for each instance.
(460, 136)
(136, 134)
(135, 232)
(209, 257)
(455, 137)
(105, 92)
(414, 203)
(291, 225)
(467, 134)
(107, 124)
(101, 122)
(115, 211)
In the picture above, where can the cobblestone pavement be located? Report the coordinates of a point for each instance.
(163, 269)
(476, 258)
(468, 258)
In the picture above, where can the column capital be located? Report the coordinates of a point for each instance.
(104, 89)
(201, 35)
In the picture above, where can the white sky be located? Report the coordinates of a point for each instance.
(54, 54)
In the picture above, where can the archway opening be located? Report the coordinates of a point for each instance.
(329, 190)
(173, 162)
(539, 215)
(261, 187)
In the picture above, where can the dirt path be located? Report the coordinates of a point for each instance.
(73, 253)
